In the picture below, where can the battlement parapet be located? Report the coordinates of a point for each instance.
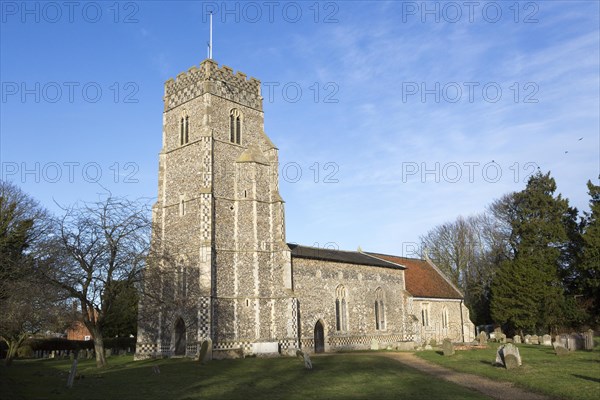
(209, 78)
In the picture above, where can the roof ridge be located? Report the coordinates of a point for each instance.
(393, 255)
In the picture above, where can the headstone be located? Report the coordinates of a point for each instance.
(482, 338)
(501, 337)
(374, 345)
(72, 374)
(560, 350)
(305, 357)
(52, 354)
(517, 339)
(588, 340)
(71, 356)
(535, 340)
(527, 339)
(546, 340)
(448, 347)
(205, 351)
(575, 341)
(108, 352)
(428, 347)
(508, 356)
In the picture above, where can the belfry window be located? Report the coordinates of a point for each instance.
(184, 130)
(341, 309)
(235, 126)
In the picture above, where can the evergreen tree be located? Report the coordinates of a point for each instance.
(588, 268)
(527, 292)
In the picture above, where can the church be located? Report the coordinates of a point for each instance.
(235, 280)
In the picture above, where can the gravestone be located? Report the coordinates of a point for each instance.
(428, 347)
(205, 351)
(52, 354)
(374, 345)
(108, 352)
(482, 338)
(588, 340)
(72, 374)
(527, 339)
(575, 341)
(305, 357)
(546, 340)
(501, 337)
(508, 356)
(517, 339)
(448, 347)
(560, 350)
(535, 340)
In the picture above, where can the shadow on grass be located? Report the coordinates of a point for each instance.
(587, 378)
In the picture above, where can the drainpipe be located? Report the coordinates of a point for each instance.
(462, 325)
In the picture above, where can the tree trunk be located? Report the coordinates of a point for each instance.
(13, 347)
(99, 348)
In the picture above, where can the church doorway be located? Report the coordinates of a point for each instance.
(180, 337)
(319, 337)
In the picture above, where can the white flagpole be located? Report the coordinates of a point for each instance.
(210, 39)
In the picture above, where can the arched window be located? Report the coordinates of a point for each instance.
(444, 317)
(235, 126)
(341, 309)
(379, 310)
(425, 314)
(184, 129)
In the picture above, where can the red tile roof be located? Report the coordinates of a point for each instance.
(423, 279)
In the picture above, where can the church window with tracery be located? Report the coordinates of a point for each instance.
(235, 126)
(341, 309)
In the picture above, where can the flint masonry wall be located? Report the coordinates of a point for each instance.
(315, 284)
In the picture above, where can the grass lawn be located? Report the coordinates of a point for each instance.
(576, 376)
(356, 376)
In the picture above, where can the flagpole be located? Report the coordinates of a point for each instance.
(210, 39)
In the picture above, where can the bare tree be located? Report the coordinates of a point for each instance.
(97, 244)
(26, 303)
(469, 251)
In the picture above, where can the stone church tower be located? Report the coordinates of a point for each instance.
(219, 207)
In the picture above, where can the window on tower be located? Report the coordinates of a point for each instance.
(184, 130)
(235, 126)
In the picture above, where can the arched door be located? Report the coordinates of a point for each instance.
(180, 338)
(319, 337)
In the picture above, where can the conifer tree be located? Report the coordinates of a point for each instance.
(527, 292)
(588, 268)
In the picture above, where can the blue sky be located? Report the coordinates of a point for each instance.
(399, 115)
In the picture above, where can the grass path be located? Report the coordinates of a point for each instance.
(494, 389)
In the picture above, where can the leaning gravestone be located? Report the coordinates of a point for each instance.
(482, 338)
(305, 357)
(508, 356)
(516, 339)
(546, 340)
(535, 340)
(560, 350)
(448, 347)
